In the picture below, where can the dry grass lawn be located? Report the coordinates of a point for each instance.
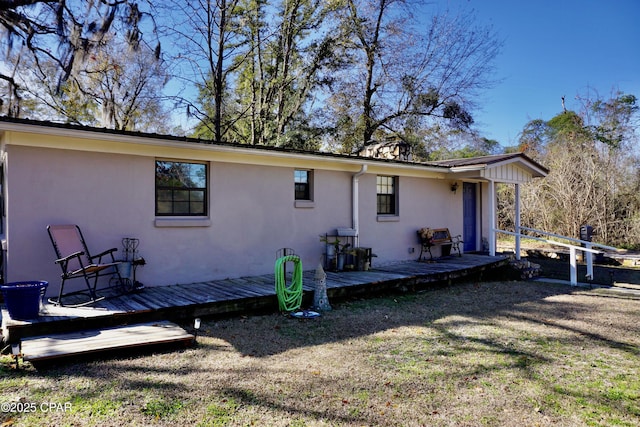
(473, 354)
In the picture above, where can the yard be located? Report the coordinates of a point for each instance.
(469, 354)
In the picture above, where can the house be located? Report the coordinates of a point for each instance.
(206, 211)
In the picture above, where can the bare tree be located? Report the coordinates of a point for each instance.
(57, 36)
(205, 35)
(287, 52)
(116, 87)
(127, 85)
(402, 69)
(593, 161)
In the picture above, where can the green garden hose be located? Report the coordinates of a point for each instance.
(289, 297)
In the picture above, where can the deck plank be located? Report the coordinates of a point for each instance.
(200, 292)
(248, 287)
(232, 292)
(127, 303)
(207, 293)
(150, 301)
(265, 280)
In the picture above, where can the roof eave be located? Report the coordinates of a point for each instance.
(97, 134)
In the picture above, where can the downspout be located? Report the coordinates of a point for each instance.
(355, 210)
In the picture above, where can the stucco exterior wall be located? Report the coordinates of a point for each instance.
(421, 203)
(103, 193)
(252, 214)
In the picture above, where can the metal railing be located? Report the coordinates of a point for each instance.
(582, 245)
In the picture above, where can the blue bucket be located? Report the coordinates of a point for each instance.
(23, 299)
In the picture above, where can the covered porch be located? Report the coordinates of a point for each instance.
(512, 169)
(517, 169)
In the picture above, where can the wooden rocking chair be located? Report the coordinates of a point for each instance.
(76, 262)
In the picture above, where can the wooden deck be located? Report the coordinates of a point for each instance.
(182, 303)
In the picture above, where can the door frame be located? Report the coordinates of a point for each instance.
(467, 220)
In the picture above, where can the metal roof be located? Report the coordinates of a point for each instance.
(491, 160)
(9, 123)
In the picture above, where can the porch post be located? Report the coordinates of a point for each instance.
(589, 256)
(573, 266)
(492, 218)
(517, 224)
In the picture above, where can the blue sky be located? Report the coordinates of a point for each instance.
(554, 48)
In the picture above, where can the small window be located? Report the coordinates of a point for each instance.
(386, 187)
(181, 188)
(302, 184)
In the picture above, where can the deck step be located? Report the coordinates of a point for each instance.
(43, 348)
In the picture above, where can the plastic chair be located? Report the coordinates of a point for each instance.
(76, 262)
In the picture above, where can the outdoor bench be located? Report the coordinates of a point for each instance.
(430, 237)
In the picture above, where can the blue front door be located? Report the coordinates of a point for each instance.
(469, 211)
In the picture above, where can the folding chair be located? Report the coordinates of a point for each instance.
(76, 262)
